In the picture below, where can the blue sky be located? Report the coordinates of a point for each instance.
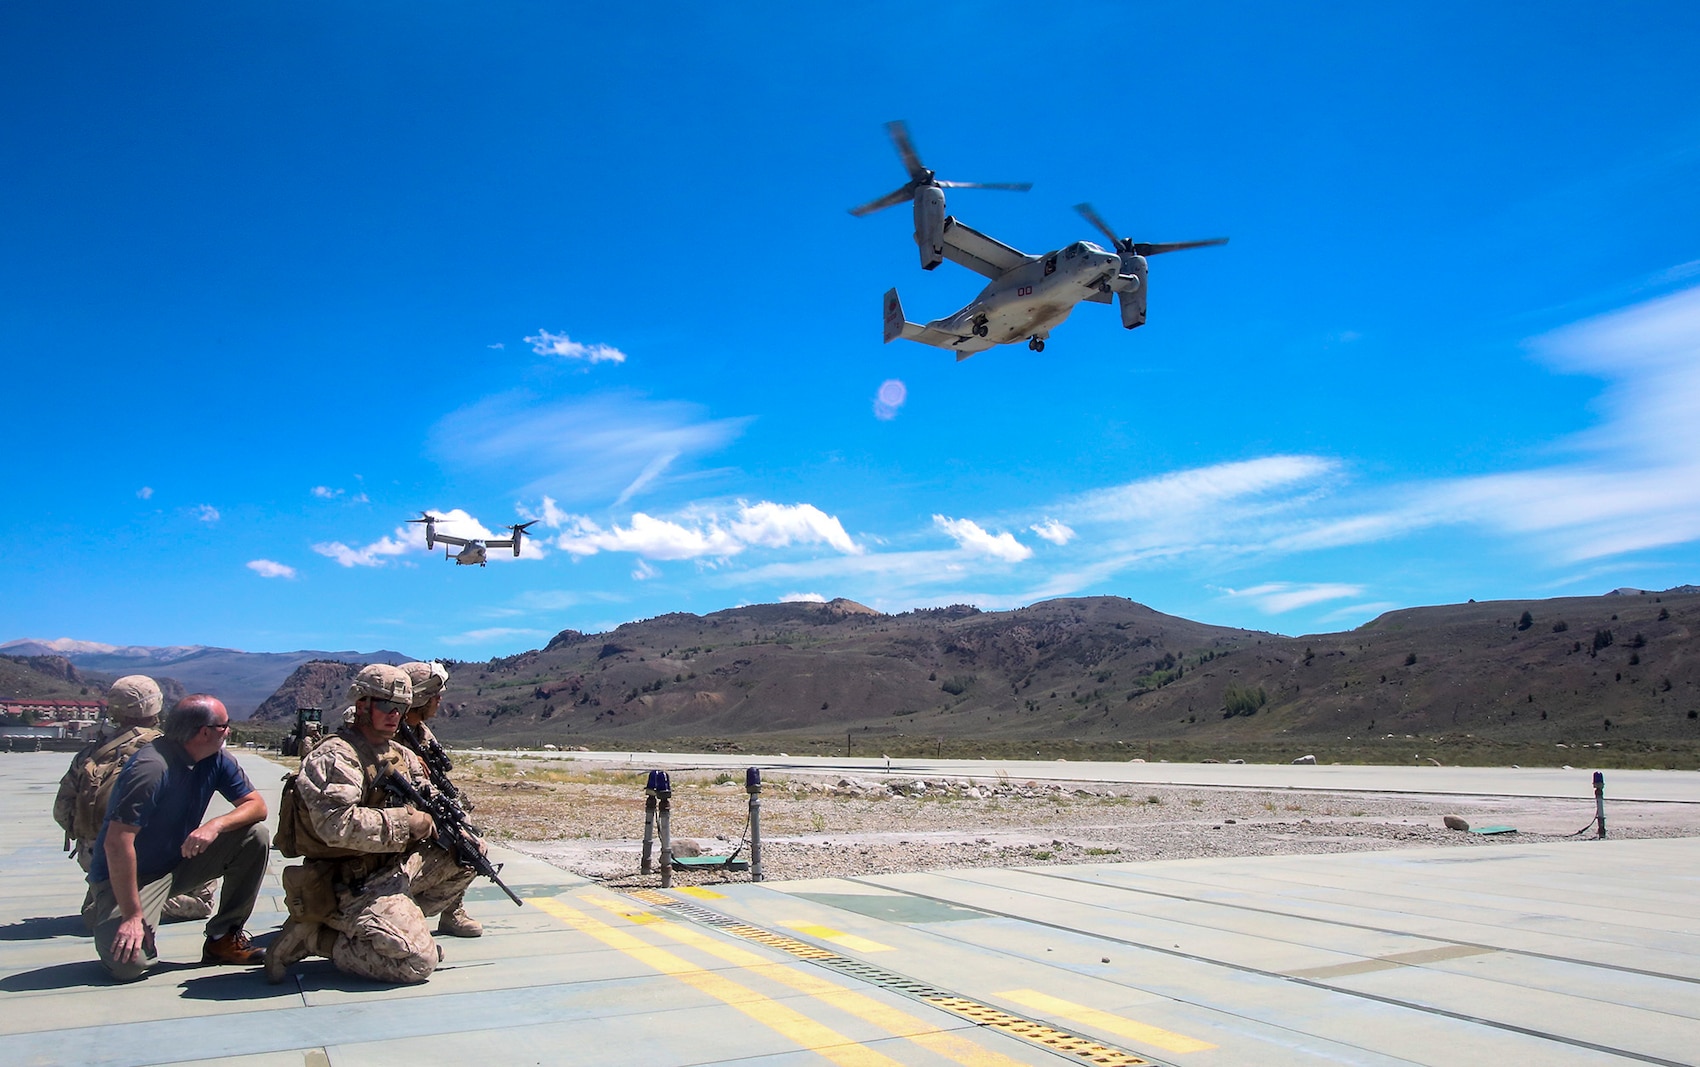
(276, 279)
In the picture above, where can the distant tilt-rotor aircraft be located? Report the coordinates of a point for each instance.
(472, 551)
(1029, 295)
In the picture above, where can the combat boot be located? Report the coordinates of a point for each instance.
(294, 943)
(457, 923)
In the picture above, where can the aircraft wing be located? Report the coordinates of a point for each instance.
(444, 539)
(509, 543)
(979, 253)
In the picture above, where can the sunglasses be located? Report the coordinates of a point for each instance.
(390, 707)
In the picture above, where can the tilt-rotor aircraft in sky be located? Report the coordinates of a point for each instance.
(472, 551)
(1029, 295)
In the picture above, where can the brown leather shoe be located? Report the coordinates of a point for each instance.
(233, 948)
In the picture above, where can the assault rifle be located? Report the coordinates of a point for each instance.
(454, 832)
(436, 759)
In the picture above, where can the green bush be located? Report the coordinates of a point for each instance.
(1242, 700)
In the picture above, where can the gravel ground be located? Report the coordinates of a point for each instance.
(590, 822)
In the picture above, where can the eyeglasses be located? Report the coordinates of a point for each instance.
(389, 707)
(221, 726)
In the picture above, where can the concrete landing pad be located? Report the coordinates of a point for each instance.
(1584, 952)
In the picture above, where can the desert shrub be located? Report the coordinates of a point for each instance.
(958, 684)
(1602, 639)
(1560, 626)
(1242, 700)
(1526, 621)
(1410, 659)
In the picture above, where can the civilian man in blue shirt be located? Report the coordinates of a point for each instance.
(154, 842)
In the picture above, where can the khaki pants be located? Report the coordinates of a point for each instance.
(237, 856)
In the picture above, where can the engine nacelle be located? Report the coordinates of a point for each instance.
(929, 225)
(1131, 290)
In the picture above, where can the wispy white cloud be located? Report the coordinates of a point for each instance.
(1365, 612)
(559, 344)
(973, 539)
(325, 492)
(145, 492)
(498, 346)
(266, 568)
(645, 571)
(1276, 598)
(802, 598)
(591, 448)
(1053, 531)
(206, 513)
(650, 472)
(494, 633)
(375, 554)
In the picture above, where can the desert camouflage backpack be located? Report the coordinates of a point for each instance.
(94, 772)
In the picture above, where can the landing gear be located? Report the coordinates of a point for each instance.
(1037, 344)
(982, 330)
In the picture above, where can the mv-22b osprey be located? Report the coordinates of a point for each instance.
(472, 551)
(1029, 295)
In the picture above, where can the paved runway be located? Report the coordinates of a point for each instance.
(1585, 952)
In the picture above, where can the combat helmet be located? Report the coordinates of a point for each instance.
(382, 681)
(429, 679)
(135, 698)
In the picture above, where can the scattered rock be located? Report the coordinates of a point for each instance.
(686, 847)
(1309, 760)
(1453, 822)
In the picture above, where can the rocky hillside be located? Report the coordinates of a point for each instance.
(55, 677)
(1614, 666)
(321, 684)
(243, 680)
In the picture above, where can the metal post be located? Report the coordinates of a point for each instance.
(1600, 804)
(648, 822)
(752, 786)
(664, 816)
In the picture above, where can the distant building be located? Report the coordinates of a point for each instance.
(46, 711)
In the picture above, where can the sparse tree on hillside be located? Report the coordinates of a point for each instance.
(1526, 621)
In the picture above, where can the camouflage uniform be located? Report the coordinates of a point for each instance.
(429, 681)
(383, 895)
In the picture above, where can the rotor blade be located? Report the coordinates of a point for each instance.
(1144, 249)
(905, 148)
(896, 196)
(1018, 187)
(1095, 219)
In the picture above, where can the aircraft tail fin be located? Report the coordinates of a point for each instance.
(894, 322)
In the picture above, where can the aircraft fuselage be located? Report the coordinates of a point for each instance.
(1034, 298)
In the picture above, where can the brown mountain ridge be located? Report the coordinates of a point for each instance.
(1094, 669)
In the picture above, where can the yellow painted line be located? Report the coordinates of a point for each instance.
(1167, 1040)
(827, 933)
(787, 1022)
(893, 1020)
(699, 891)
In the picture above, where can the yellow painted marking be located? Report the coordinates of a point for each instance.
(893, 1020)
(787, 1022)
(827, 933)
(699, 891)
(1167, 1040)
